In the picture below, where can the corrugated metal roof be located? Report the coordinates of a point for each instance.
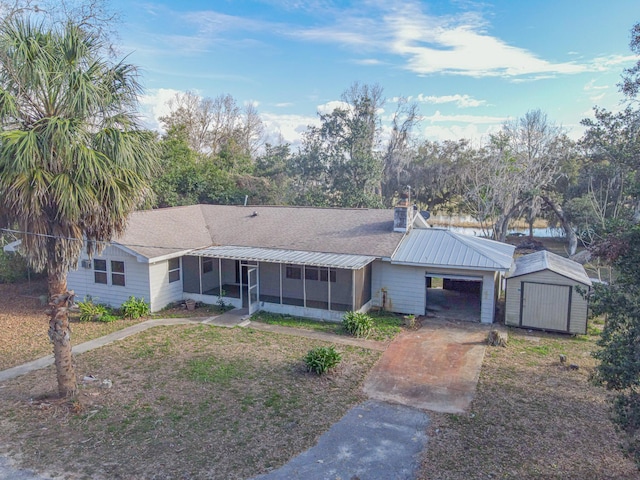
(316, 259)
(438, 247)
(544, 260)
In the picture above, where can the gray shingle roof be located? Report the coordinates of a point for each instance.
(441, 247)
(544, 260)
(156, 233)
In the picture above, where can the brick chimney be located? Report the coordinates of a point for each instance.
(403, 215)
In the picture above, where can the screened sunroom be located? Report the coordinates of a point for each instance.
(311, 284)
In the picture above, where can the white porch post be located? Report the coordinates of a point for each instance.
(280, 283)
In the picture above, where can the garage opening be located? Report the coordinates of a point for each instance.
(453, 296)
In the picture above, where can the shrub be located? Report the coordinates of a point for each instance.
(357, 324)
(108, 318)
(13, 267)
(91, 312)
(321, 359)
(135, 308)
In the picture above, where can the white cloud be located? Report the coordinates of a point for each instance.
(154, 104)
(591, 85)
(471, 119)
(471, 132)
(331, 106)
(290, 127)
(461, 101)
(367, 61)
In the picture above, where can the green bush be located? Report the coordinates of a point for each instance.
(13, 267)
(135, 308)
(91, 312)
(321, 359)
(357, 324)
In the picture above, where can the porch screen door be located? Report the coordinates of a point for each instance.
(252, 290)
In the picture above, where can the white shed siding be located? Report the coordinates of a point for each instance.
(579, 305)
(161, 291)
(136, 274)
(402, 288)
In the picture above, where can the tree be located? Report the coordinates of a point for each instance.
(348, 140)
(619, 353)
(513, 169)
(73, 162)
(399, 152)
(95, 15)
(617, 140)
(216, 125)
(630, 85)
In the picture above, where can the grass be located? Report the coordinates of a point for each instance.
(532, 417)
(385, 325)
(185, 403)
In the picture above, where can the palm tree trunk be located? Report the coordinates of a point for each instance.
(60, 334)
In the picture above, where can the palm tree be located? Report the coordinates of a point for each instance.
(73, 161)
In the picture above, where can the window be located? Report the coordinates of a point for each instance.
(207, 265)
(326, 274)
(294, 273)
(117, 273)
(311, 273)
(100, 271)
(174, 270)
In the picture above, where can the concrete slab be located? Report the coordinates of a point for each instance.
(373, 441)
(433, 368)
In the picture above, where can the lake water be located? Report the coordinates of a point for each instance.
(537, 232)
(449, 223)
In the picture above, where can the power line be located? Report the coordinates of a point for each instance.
(104, 242)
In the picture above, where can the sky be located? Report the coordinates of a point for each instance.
(468, 65)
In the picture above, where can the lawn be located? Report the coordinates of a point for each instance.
(185, 402)
(532, 417)
(196, 401)
(386, 325)
(24, 324)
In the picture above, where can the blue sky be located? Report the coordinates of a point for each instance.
(469, 65)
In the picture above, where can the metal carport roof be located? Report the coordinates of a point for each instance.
(436, 247)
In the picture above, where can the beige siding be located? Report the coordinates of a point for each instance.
(579, 305)
(82, 280)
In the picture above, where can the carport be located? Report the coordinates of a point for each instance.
(453, 296)
(469, 272)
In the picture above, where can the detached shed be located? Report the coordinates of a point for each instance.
(543, 292)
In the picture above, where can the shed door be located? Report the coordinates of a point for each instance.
(545, 306)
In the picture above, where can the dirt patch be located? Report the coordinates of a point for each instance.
(532, 417)
(184, 402)
(24, 324)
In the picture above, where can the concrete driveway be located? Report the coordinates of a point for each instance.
(433, 368)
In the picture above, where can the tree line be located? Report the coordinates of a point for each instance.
(213, 152)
